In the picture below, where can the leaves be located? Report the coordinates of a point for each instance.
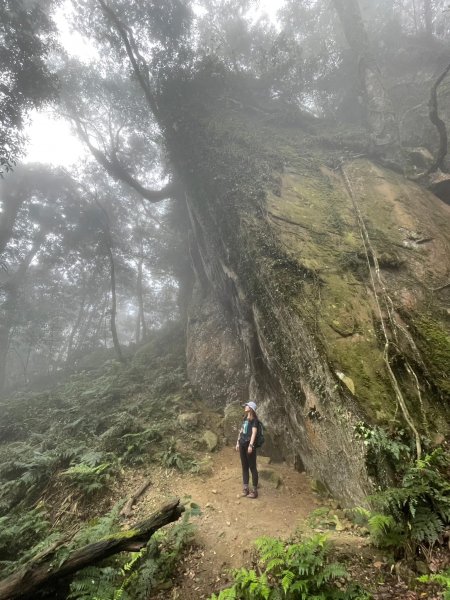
(418, 510)
(299, 570)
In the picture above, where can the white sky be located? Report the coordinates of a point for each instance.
(52, 141)
(50, 138)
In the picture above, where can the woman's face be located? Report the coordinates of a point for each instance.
(247, 410)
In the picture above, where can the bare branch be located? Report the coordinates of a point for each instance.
(439, 124)
(118, 172)
(133, 54)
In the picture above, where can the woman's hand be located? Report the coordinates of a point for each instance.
(250, 449)
(237, 447)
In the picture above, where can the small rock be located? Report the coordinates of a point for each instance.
(214, 491)
(210, 440)
(422, 567)
(271, 477)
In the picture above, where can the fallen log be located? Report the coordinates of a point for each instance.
(38, 572)
(127, 510)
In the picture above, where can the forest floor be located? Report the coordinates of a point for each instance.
(229, 524)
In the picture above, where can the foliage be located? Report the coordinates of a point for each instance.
(89, 479)
(385, 453)
(417, 512)
(442, 579)
(300, 570)
(98, 529)
(21, 536)
(23, 479)
(26, 37)
(173, 459)
(134, 577)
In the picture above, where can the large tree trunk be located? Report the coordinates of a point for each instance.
(45, 570)
(380, 117)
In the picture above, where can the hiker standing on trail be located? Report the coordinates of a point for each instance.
(245, 445)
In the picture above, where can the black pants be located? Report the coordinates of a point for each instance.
(248, 462)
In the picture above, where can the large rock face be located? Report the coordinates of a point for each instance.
(216, 363)
(324, 283)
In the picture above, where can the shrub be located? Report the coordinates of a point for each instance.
(173, 459)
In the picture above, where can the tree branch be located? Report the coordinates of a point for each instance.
(439, 124)
(129, 43)
(118, 172)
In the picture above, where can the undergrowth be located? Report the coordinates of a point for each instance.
(412, 516)
(301, 570)
(23, 536)
(62, 449)
(441, 579)
(134, 576)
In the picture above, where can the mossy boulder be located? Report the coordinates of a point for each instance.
(320, 262)
(188, 420)
(209, 440)
(232, 421)
(271, 477)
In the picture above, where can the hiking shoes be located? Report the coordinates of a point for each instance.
(253, 494)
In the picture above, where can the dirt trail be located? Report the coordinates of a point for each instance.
(229, 523)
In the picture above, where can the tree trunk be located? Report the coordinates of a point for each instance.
(428, 18)
(140, 298)
(4, 348)
(379, 113)
(78, 321)
(11, 206)
(11, 288)
(100, 322)
(115, 337)
(45, 570)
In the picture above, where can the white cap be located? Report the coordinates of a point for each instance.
(252, 405)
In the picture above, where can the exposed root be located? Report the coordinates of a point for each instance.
(375, 275)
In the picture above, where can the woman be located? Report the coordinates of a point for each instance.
(245, 445)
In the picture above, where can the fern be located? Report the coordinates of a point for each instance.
(21, 536)
(300, 570)
(442, 579)
(95, 583)
(99, 529)
(418, 511)
(90, 479)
